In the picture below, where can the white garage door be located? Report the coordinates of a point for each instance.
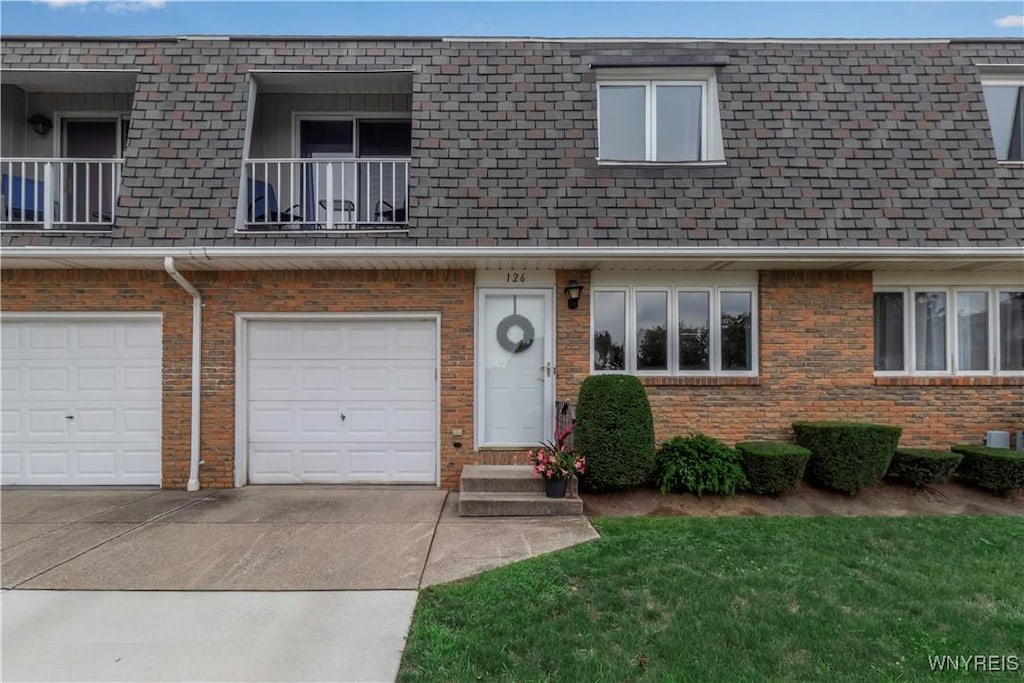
(81, 401)
(342, 402)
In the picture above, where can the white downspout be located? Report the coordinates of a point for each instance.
(197, 347)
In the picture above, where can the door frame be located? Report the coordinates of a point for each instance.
(549, 356)
(242, 321)
(120, 118)
(353, 116)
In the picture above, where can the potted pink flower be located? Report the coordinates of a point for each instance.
(556, 463)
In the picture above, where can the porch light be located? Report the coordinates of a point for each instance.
(40, 124)
(572, 294)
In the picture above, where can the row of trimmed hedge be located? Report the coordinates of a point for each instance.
(701, 464)
(615, 431)
(849, 456)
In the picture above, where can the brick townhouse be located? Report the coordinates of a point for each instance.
(232, 260)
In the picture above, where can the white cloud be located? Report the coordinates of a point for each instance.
(64, 3)
(1010, 21)
(108, 5)
(133, 5)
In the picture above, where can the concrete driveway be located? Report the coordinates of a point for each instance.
(299, 582)
(260, 539)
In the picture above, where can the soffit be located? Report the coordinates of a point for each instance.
(60, 80)
(334, 81)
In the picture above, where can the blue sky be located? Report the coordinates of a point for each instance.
(725, 19)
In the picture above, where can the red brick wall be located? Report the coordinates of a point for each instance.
(224, 294)
(815, 357)
(115, 290)
(816, 362)
(450, 293)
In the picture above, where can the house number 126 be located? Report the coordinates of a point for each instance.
(515, 278)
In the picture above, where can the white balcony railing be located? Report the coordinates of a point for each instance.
(326, 194)
(59, 193)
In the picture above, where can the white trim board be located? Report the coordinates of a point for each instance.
(610, 253)
(625, 278)
(887, 278)
(515, 278)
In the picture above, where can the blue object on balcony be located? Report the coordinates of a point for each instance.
(263, 205)
(23, 198)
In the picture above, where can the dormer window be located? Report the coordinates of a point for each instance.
(658, 116)
(1004, 99)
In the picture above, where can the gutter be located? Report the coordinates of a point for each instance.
(538, 252)
(197, 345)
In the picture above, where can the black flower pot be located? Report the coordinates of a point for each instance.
(555, 488)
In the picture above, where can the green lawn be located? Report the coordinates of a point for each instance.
(739, 599)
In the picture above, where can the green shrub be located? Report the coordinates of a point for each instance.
(615, 432)
(699, 464)
(998, 469)
(922, 467)
(773, 467)
(847, 456)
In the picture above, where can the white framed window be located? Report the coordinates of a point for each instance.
(960, 330)
(677, 330)
(1004, 102)
(658, 116)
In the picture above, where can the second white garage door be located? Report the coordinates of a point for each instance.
(342, 401)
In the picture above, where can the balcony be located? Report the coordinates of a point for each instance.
(327, 151)
(59, 193)
(62, 142)
(353, 194)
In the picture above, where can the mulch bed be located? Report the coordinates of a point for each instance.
(888, 499)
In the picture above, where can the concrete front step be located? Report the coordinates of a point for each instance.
(491, 504)
(500, 479)
(504, 479)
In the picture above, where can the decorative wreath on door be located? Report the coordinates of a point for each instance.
(506, 325)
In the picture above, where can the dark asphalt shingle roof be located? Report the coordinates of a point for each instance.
(827, 143)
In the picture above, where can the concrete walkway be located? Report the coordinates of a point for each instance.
(298, 583)
(222, 636)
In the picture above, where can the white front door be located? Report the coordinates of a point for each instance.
(342, 401)
(515, 377)
(81, 401)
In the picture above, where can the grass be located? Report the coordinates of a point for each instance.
(739, 599)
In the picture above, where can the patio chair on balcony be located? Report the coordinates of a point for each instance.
(22, 199)
(385, 213)
(263, 207)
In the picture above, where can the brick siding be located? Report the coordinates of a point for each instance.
(815, 357)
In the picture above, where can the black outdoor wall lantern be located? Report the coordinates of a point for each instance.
(40, 124)
(572, 294)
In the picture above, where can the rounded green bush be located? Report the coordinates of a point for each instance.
(922, 467)
(699, 464)
(997, 469)
(772, 467)
(615, 432)
(847, 456)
